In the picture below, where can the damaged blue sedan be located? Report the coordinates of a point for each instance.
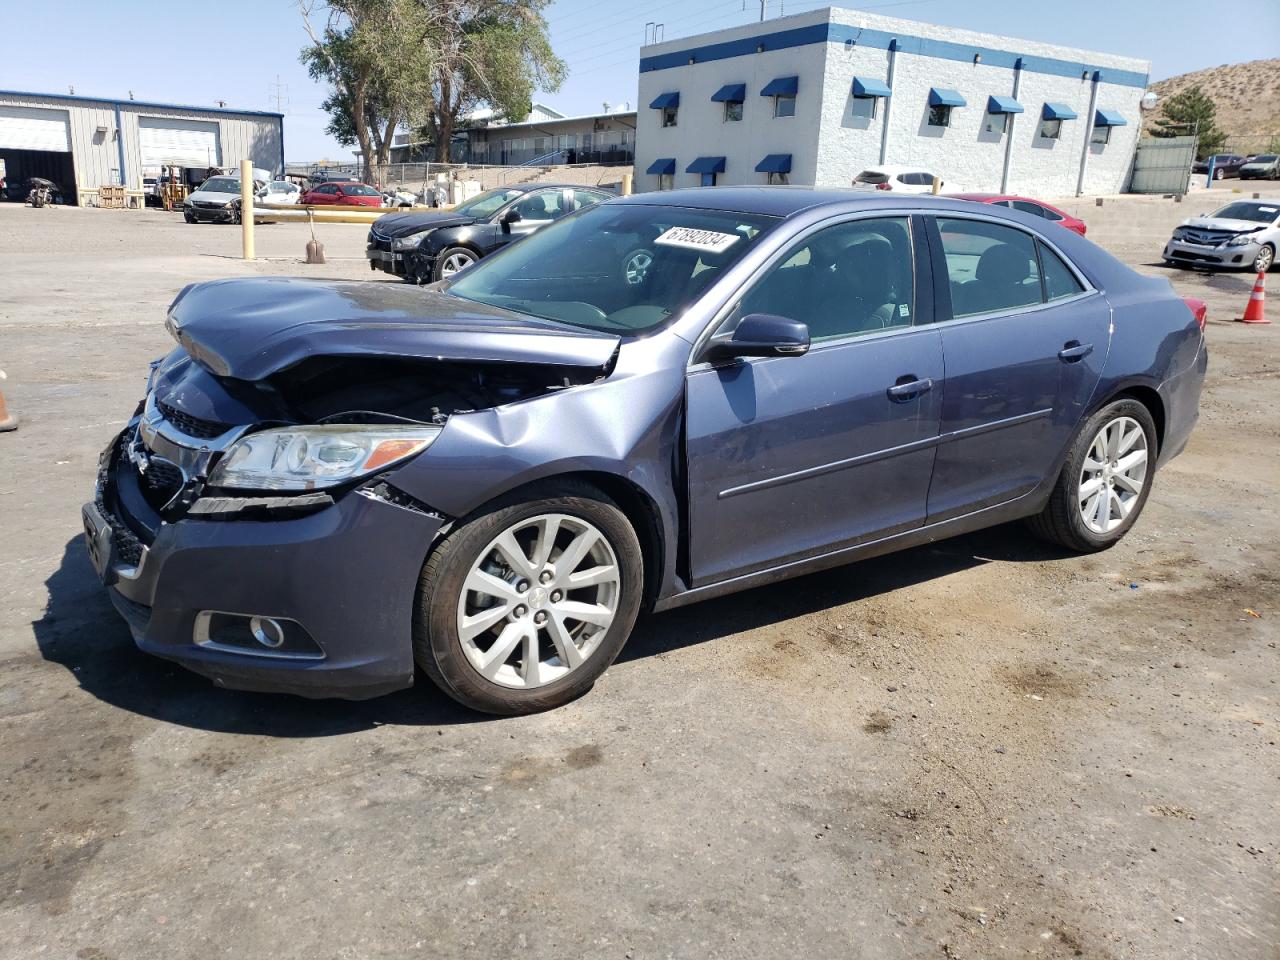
(659, 399)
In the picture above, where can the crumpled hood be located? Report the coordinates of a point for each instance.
(1218, 223)
(249, 329)
(404, 224)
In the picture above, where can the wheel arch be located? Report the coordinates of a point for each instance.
(1149, 397)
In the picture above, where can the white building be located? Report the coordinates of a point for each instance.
(817, 97)
(82, 143)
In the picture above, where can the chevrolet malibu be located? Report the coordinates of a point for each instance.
(328, 482)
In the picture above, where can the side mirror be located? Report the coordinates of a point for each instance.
(761, 335)
(510, 217)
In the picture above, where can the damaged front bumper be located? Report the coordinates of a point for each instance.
(337, 576)
(1211, 255)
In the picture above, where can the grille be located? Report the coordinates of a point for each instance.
(127, 546)
(161, 483)
(192, 426)
(207, 205)
(1210, 238)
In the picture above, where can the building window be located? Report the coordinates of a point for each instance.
(939, 115)
(732, 110)
(1050, 129)
(669, 116)
(778, 179)
(864, 108)
(997, 123)
(1100, 135)
(708, 180)
(784, 106)
(666, 181)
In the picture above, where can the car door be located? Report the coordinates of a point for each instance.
(1025, 339)
(536, 209)
(791, 457)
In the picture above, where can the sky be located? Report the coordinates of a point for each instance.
(192, 54)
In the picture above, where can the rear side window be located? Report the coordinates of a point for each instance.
(1059, 282)
(990, 268)
(870, 176)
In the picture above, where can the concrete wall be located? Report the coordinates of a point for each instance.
(830, 146)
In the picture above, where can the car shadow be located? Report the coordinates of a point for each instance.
(82, 632)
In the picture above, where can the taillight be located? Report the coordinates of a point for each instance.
(884, 186)
(1199, 309)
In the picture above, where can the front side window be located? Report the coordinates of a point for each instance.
(864, 108)
(669, 116)
(540, 207)
(997, 123)
(939, 115)
(784, 106)
(848, 280)
(1050, 129)
(732, 111)
(1100, 135)
(990, 268)
(619, 268)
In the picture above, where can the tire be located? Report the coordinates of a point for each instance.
(235, 213)
(445, 595)
(452, 260)
(189, 218)
(1063, 519)
(1265, 260)
(1218, 174)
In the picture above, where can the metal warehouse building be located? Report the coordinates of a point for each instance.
(82, 143)
(817, 97)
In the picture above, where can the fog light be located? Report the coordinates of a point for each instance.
(267, 632)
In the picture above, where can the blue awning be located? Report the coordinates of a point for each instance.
(942, 97)
(775, 163)
(662, 101)
(1058, 111)
(706, 165)
(731, 93)
(1108, 118)
(1003, 105)
(869, 87)
(663, 165)
(781, 87)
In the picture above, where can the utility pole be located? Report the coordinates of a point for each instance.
(279, 92)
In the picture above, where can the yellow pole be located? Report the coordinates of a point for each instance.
(246, 207)
(626, 184)
(937, 185)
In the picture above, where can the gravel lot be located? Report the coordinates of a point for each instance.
(982, 749)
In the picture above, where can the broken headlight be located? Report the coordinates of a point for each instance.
(410, 242)
(311, 458)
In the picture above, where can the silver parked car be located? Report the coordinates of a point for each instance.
(1244, 233)
(1265, 166)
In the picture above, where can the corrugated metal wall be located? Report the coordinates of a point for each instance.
(97, 155)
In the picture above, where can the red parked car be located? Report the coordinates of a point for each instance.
(1037, 208)
(344, 193)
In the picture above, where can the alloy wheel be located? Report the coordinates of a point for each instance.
(1114, 471)
(538, 600)
(1262, 262)
(455, 262)
(636, 267)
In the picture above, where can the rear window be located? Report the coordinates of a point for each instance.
(871, 176)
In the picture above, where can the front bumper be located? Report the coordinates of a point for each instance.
(1181, 251)
(209, 214)
(388, 261)
(347, 574)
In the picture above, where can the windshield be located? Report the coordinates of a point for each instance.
(486, 203)
(358, 190)
(615, 267)
(870, 176)
(1264, 158)
(221, 185)
(1256, 212)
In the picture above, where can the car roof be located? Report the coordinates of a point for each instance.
(782, 201)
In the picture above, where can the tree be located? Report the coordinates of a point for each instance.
(376, 59)
(1191, 111)
(493, 52)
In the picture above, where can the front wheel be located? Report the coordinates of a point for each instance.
(1104, 482)
(524, 606)
(452, 260)
(1265, 258)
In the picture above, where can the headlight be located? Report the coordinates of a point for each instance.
(1179, 233)
(409, 242)
(311, 458)
(1242, 239)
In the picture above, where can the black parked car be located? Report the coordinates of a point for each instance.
(423, 247)
(1224, 165)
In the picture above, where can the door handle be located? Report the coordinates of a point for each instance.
(908, 388)
(1073, 351)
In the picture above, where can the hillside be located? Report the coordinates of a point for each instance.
(1247, 95)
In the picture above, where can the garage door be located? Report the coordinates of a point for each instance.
(186, 143)
(31, 128)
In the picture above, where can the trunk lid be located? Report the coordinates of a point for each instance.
(249, 329)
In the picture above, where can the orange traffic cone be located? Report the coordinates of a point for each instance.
(8, 421)
(1257, 300)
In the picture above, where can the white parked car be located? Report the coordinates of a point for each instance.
(901, 179)
(1244, 233)
(280, 191)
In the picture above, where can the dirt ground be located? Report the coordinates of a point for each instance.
(983, 749)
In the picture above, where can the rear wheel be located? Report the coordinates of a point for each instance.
(524, 606)
(1105, 481)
